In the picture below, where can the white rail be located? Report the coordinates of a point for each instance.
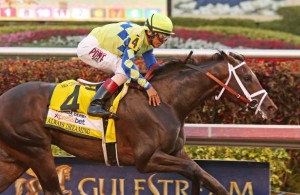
(58, 52)
(287, 136)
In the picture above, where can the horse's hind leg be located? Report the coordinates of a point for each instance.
(42, 164)
(10, 170)
(40, 160)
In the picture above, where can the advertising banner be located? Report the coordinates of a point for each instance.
(79, 10)
(87, 178)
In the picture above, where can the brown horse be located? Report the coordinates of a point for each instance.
(151, 138)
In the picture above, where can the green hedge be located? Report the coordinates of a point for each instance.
(200, 22)
(277, 157)
(289, 22)
(8, 29)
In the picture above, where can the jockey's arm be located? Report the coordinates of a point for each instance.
(149, 58)
(131, 70)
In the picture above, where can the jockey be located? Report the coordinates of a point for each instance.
(113, 47)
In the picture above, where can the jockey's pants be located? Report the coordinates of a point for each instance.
(91, 53)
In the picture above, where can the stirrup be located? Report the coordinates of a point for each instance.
(107, 115)
(98, 111)
(113, 116)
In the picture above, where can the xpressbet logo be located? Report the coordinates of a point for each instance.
(69, 118)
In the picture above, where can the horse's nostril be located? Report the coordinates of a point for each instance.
(272, 109)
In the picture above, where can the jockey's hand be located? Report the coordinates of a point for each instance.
(153, 97)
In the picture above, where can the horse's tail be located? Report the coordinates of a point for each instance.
(19, 185)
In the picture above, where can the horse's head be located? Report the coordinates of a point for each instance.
(244, 82)
(238, 82)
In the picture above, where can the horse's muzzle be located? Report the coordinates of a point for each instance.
(269, 109)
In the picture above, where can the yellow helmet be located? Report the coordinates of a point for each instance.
(159, 23)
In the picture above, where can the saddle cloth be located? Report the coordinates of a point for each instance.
(67, 111)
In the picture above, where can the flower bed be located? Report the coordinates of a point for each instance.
(21, 38)
(186, 38)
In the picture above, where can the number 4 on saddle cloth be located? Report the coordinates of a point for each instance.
(67, 112)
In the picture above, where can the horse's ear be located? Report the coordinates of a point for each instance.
(229, 58)
(237, 56)
(224, 55)
(217, 56)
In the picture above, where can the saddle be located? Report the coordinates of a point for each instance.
(67, 111)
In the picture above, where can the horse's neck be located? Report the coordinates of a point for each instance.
(191, 89)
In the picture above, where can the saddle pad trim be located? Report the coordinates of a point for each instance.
(66, 121)
(111, 133)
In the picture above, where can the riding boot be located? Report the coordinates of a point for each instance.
(96, 107)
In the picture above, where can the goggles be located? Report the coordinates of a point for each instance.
(162, 37)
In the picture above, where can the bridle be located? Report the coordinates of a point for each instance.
(248, 100)
(253, 103)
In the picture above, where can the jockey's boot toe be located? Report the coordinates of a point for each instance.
(97, 110)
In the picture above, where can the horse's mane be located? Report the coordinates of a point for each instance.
(178, 64)
(204, 62)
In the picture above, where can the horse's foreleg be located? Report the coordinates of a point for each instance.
(162, 162)
(44, 168)
(195, 186)
(10, 170)
(207, 180)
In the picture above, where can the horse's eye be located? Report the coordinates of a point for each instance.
(247, 77)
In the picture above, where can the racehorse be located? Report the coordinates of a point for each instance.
(150, 138)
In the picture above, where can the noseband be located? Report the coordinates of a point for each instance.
(248, 100)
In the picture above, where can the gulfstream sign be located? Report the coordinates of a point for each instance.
(86, 178)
